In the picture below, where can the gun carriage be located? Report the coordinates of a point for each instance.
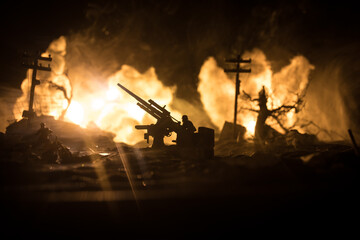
(202, 141)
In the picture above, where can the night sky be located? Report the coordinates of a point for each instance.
(183, 34)
(28, 26)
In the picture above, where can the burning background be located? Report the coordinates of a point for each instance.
(174, 53)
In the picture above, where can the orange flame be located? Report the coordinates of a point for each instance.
(217, 89)
(97, 101)
(88, 99)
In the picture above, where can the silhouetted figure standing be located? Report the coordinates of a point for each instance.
(186, 132)
(187, 124)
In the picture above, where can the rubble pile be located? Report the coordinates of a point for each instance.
(239, 185)
(59, 142)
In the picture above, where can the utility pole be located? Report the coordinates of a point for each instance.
(35, 66)
(237, 70)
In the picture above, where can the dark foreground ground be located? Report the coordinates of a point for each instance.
(129, 193)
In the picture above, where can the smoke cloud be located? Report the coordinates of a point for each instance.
(175, 41)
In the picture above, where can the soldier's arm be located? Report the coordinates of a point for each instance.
(193, 128)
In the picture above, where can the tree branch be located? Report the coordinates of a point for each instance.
(247, 96)
(280, 124)
(250, 109)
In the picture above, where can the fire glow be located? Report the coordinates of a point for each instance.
(85, 99)
(105, 104)
(217, 89)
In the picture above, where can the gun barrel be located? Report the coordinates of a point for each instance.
(150, 107)
(143, 104)
(163, 110)
(152, 102)
(150, 111)
(142, 126)
(132, 94)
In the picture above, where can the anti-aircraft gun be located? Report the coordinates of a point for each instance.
(165, 125)
(202, 142)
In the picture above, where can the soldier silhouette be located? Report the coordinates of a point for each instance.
(185, 135)
(188, 125)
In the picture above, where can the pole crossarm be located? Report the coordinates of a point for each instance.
(36, 66)
(39, 67)
(237, 70)
(237, 60)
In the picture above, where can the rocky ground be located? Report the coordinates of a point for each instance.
(121, 190)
